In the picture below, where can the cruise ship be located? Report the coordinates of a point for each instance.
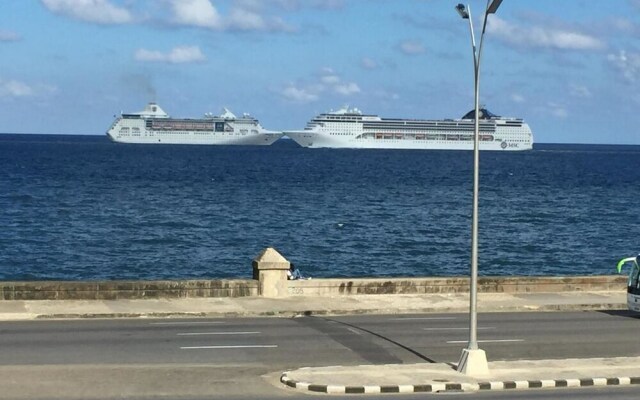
(154, 126)
(350, 128)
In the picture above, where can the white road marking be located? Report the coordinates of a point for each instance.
(487, 341)
(257, 346)
(216, 333)
(457, 329)
(185, 323)
(354, 331)
(422, 318)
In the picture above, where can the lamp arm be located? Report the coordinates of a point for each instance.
(484, 28)
(473, 41)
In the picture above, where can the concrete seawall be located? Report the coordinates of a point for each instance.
(515, 284)
(118, 290)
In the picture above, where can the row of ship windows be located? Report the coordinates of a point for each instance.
(415, 125)
(457, 132)
(125, 131)
(180, 125)
(341, 121)
(447, 138)
(332, 119)
(483, 128)
(421, 135)
(380, 136)
(424, 126)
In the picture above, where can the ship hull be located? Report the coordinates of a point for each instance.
(154, 126)
(197, 138)
(350, 128)
(323, 140)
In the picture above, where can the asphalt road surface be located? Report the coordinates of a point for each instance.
(243, 357)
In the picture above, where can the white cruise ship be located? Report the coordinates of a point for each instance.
(154, 126)
(349, 128)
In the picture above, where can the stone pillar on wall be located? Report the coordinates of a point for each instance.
(270, 269)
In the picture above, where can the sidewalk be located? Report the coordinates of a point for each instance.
(325, 305)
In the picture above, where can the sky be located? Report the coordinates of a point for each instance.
(569, 68)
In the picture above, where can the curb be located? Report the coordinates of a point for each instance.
(460, 387)
(298, 313)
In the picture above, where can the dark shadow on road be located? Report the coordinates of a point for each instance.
(355, 343)
(621, 313)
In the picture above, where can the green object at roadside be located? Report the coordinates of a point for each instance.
(626, 260)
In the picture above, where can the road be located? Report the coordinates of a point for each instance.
(242, 358)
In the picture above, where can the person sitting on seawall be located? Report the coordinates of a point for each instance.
(294, 273)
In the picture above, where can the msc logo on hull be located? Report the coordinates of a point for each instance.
(504, 145)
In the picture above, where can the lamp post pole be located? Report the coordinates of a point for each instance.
(473, 360)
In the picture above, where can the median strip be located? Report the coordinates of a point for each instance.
(459, 387)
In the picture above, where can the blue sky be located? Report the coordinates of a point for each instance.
(570, 68)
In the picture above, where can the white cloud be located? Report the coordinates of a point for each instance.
(297, 5)
(200, 13)
(544, 37)
(9, 36)
(627, 63)
(245, 16)
(328, 4)
(412, 47)
(624, 25)
(517, 98)
(246, 20)
(178, 55)
(347, 89)
(297, 95)
(96, 11)
(330, 79)
(384, 95)
(17, 89)
(557, 110)
(327, 81)
(368, 63)
(581, 91)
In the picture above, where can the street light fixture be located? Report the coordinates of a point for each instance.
(493, 7)
(462, 10)
(473, 360)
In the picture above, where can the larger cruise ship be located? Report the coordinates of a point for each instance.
(349, 128)
(153, 126)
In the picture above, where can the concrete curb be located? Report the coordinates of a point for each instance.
(297, 313)
(460, 387)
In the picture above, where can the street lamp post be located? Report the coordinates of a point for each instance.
(473, 360)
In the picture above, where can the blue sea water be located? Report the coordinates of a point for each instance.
(83, 208)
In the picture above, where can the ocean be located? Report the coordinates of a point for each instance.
(84, 208)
